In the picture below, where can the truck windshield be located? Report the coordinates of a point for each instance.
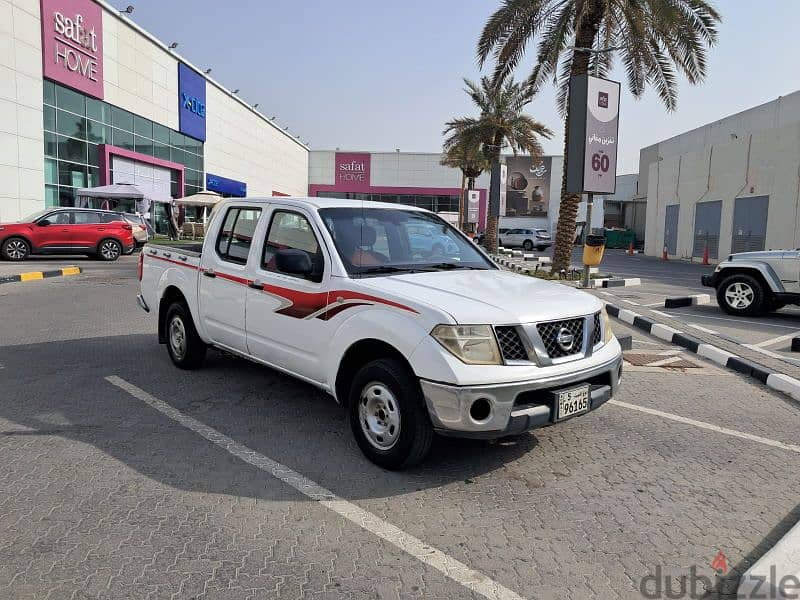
(384, 241)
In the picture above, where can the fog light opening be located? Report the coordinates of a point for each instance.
(480, 410)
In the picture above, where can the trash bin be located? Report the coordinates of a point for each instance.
(593, 249)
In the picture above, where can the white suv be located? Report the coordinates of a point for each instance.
(528, 239)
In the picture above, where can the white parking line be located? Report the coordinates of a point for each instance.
(698, 327)
(708, 426)
(449, 566)
(777, 340)
(700, 316)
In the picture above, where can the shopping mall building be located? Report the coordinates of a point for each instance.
(416, 178)
(89, 98)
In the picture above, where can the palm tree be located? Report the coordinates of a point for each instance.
(466, 155)
(500, 124)
(655, 39)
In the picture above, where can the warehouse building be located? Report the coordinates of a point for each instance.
(728, 186)
(89, 98)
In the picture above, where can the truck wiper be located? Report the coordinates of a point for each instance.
(449, 265)
(386, 269)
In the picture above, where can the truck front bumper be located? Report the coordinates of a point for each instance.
(513, 407)
(709, 280)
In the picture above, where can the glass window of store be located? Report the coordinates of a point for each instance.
(426, 201)
(75, 125)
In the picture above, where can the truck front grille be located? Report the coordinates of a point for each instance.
(597, 337)
(510, 343)
(552, 331)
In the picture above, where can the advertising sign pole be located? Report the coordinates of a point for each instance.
(592, 148)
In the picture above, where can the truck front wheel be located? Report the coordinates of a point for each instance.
(185, 347)
(388, 415)
(741, 295)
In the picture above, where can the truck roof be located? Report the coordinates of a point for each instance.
(325, 202)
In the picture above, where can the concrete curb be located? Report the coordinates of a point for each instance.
(607, 283)
(772, 575)
(775, 381)
(36, 275)
(693, 300)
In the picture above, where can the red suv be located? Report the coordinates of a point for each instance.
(100, 233)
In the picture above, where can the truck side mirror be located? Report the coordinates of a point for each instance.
(43, 223)
(293, 261)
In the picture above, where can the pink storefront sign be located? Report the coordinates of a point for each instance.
(352, 171)
(72, 44)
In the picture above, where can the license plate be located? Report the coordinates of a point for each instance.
(572, 402)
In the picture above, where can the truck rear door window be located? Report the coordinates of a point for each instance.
(236, 235)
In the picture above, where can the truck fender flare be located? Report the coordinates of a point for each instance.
(766, 272)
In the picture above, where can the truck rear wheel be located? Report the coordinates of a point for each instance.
(741, 295)
(388, 415)
(185, 347)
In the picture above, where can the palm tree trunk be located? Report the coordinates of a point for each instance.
(568, 210)
(492, 221)
(461, 207)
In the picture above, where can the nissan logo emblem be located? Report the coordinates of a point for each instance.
(565, 339)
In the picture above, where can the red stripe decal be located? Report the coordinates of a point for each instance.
(307, 303)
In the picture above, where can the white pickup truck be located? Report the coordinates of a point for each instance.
(413, 339)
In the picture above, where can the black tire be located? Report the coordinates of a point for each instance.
(527, 245)
(742, 295)
(15, 249)
(193, 351)
(109, 250)
(413, 441)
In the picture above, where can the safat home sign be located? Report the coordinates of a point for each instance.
(72, 44)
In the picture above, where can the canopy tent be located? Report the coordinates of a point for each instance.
(143, 198)
(201, 201)
(204, 198)
(128, 197)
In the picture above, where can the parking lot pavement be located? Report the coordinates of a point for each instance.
(171, 492)
(50, 263)
(769, 335)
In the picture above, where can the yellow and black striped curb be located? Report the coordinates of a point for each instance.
(34, 275)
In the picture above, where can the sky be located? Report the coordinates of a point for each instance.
(380, 75)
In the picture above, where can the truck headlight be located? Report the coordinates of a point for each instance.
(608, 334)
(472, 344)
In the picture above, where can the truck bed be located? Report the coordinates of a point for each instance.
(193, 249)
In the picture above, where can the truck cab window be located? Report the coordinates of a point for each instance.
(290, 230)
(236, 234)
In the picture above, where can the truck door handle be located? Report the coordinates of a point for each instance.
(168, 254)
(209, 273)
(256, 285)
(183, 258)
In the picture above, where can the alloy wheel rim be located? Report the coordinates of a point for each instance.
(16, 249)
(379, 415)
(177, 337)
(109, 250)
(739, 295)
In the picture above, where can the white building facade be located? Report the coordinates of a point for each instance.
(729, 186)
(89, 98)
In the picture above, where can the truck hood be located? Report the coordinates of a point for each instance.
(762, 255)
(492, 297)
